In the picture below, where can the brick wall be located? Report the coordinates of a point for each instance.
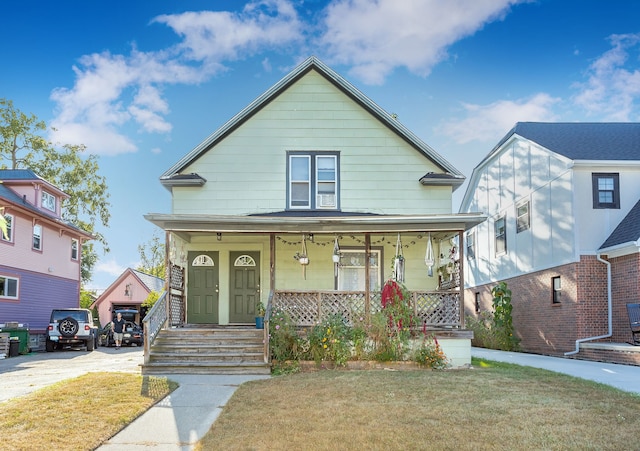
(625, 289)
(547, 328)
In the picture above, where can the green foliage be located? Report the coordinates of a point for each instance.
(65, 166)
(284, 341)
(496, 331)
(87, 298)
(330, 341)
(260, 309)
(3, 222)
(152, 257)
(151, 299)
(430, 355)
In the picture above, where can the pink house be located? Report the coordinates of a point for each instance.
(41, 254)
(128, 291)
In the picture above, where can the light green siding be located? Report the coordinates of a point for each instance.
(246, 171)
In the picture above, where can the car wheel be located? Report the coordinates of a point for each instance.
(68, 327)
(49, 346)
(90, 344)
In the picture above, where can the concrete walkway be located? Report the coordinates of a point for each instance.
(181, 419)
(623, 377)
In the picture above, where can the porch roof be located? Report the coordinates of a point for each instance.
(192, 223)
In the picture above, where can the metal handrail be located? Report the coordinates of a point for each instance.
(153, 322)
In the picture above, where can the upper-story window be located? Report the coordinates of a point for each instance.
(9, 235)
(37, 237)
(606, 190)
(500, 228)
(8, 287)
(312, 179)
(48, 201)
(522, 217)
(74, 249)
(471, 244)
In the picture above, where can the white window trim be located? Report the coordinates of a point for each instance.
(502, 218)
(316, 200)
(33, 242)
(521, 226)
(76, 250)
(49, 199)
(345, 264)
(10, 221)
(17, 282)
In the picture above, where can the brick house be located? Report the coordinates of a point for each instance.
(40, 257)
(563, 231)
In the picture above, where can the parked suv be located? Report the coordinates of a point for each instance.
(71, 326)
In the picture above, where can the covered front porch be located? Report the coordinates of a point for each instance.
(222, 270)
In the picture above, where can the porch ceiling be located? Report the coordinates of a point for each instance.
(313, 224)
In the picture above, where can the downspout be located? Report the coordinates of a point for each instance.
(582, 340)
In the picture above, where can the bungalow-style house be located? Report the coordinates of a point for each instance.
(302, 201)
(41, 254)
(563, 206)
(128, 292)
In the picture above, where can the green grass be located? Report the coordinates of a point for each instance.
(80, 413)
(493, 406)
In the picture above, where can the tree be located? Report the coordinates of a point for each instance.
(64, 166)
(152, 257)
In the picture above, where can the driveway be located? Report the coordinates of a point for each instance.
(24, 374)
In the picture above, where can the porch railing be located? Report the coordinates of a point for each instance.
(434, 309)
(153, 322)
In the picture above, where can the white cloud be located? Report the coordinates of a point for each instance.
(114, 91)
(375, 37)
(611, 89)
(490, 122)
(110, 267)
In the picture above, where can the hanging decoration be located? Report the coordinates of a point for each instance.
(398, 262)
(429, 260)
(302, 257)
(336, 257)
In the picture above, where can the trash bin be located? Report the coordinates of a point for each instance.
(14, 346)
(22, 335)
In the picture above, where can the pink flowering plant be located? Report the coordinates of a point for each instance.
(284, 341)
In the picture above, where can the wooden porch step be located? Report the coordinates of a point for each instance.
(206, 368)
(208, 350)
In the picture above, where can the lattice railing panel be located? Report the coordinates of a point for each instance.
(176, 277)
(176, 310)
(436, 309)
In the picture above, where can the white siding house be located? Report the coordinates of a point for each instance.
(554, 194)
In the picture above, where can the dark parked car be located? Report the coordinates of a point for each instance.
(132, 332)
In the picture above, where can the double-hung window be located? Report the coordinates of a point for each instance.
(500, 229)
(8, 287)
(471, 244)
(9, 235)
(48, 201)
(522, 217)
(74, 249)
(312, 179)
(351, 270)
(37, 237)
(606, 190)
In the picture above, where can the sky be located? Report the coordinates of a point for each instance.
(141, 83)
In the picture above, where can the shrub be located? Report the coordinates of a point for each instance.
(330, 341)
(495, 331)
(430, 354)
(284, 341)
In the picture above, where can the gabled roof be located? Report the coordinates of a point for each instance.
(22, 176)
(14, 199)
(153, 283)
(628, 231)
(582, 140)
(311, 63)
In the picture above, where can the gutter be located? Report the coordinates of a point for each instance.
(582, 340)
